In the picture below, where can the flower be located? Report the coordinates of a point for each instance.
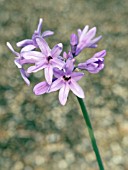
(47, 59)
(86, 39)
(94, 64)
(20, 61)
(73, 43)
(66, 81)
(30, 44)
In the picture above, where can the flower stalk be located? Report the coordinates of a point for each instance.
(91, 133)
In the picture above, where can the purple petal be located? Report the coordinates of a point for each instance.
(24, 43)
(77, 75)
(73, 39)
(79, 31)
(43, 46)
(76, 89)
(57, 49)
(41, 88)
(24, 76)
(83, 33)
(18, 63)
(100, 54)
(33, 55)
(91, 33)
(94, 41)
(12, 50)
(36, 68)
(39, 26)
(57, 63)
(56, 85)
(63, 93)
(48, 74)
(69, 66)
(47, 34)
(58, 73)
(28, 48)
(94, 71)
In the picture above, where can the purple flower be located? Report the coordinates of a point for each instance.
(47, 59)
(30, 44)
(20, 61)
(66, 81)
(94, 64)
(86, 39)
(73, 43)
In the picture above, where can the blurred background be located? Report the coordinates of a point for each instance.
(36, 132)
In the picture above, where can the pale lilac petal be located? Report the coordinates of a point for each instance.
(48, 74)
(18, 63)
(57, 49)
(33, 55)
(57, 63)
(24, 43)
(73, 39)
(63, 93)
(12, 50)
(39, 26)
(27, 61)
(91, 33)
(28, 48)
(79, 31)
(36, 68)
(56, 85)
(93, 42)
(69, 66)
(100, 54)
(41, 88)
(47, 34)
(43, 46)
(76, 89)
(83, 33)
(77, 75)
(58, 73)
(24, 76)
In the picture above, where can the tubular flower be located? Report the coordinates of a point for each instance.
(30, 44)
(86, 39)
(94, 64)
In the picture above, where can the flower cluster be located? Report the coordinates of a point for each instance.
(59, 70)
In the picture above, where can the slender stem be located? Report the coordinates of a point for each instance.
(91, 133)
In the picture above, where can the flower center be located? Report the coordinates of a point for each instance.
(49, 58)
(66, 78)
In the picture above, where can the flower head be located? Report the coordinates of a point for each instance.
(86, 39)
(94, 64)
(30, 44)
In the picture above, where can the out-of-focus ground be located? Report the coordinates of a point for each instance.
(37, 133)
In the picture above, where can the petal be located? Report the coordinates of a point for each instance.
(41, 88)
(76, 89)
(69, 66)
(94, 41)
(83, 33)
(28, 48)
(47, 34)
(57, 49)
(91, 33)
(63, 93)
(48, 74)
(39, 26)
(77, 75)
(24, 76)
(18, 63)
(100, 54)
(33, 55)
(43, 46)
(58, 73)
(57, 63)
(79, 31)
(12, 50)
(56, 85)
(36, 68)
(24, 43)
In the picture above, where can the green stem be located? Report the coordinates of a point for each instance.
(91, 133)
